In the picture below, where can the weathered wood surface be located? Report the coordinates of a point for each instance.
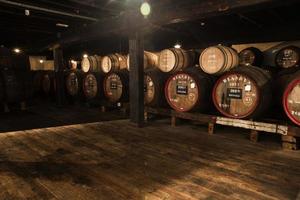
(49, 115)
(116, 160)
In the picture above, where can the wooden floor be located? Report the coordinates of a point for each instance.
(47, 114)
(115, 161)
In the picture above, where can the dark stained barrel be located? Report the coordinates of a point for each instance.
(244, 92)
(116, 86)
(2, 90)
(288, 57)
(48, 83)
(113, 63)
(43, 83)
(189, 90)
(251, 56)
(73, 81)
(92, 86)
(218, 59)
(5, 57)
(12, 86)
(174, 60)
(154, 82)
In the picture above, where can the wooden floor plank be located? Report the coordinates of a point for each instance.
(116, 160)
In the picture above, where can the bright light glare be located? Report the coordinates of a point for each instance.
(177, 46)
(41, 61)
(16, 50)
(85, 55)
(145, 9)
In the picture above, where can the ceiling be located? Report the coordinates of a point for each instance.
(40, 26)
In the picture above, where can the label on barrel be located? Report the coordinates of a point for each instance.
(234, 93)
(113, 85)
(182, 89)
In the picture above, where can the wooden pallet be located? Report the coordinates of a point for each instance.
(289, 134)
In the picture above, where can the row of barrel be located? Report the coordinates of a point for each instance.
(214, 60)
(245, 92)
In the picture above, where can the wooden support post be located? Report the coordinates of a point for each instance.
(136, 74)
(59, 76)
(211, 128)
(254, 135)
(289, 142)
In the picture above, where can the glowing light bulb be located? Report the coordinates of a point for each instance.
(145, 9)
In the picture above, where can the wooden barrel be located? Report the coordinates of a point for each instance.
(73, 81)
(73, 65)
(2, 90)
(116, 86)
(244, 92)
(218, 59)
(288, 57)
(48, 83)
(90, 64)
(12, 86)
(91, 86)
(43, 83)
(173, 60)
(113, 63)
(150, 60)
(189, 90)
(251, 56)
(287, 93)
(5, 57)
(154, 82)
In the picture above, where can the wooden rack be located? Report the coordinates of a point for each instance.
(289, 133)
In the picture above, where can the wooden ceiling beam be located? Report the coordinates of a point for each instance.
(166, 15)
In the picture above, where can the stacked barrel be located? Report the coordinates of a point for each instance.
(238, 85)
(15, 78)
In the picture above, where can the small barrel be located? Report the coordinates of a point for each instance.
(154, 82)
(244, 92)
(174, 60)
(113, 63)
(218, 59)
(73, 81)
(251, 56)
(189, 90)
(90, 64)
(116, 86)
(92, 85)
(73, 64)
(288, 57)
(150, 60)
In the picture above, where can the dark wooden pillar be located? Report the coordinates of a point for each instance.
(59, 75)
(136, 74)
